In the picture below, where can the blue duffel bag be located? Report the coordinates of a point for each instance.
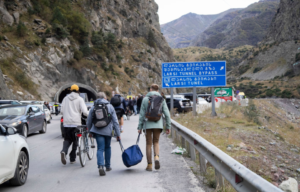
(133, 155)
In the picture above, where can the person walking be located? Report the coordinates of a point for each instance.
(134, 103)
(72, 107)
(56, 108)
(103, 135)
(139, 103)
(120, 107)
(153, 129)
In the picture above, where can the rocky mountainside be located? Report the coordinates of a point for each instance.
(243, 27)
(108, 45)
(180, 32)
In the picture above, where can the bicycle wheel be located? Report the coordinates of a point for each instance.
(91, 147)
(81, 151)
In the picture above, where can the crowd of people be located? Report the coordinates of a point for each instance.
(112, 112)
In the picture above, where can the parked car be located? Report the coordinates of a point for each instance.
(26, 119)
(9, 102)
(201, 101)
(181, 105)
(14, 158)
(46, 111)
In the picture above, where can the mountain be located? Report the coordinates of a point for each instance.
(181, 31)
(106, 45)
(242, 27)
(277, 58)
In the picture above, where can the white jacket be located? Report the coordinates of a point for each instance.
(71, 108)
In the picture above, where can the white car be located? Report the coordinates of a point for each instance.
(14, 158)
(46, 111)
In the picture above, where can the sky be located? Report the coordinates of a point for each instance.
(170, 10)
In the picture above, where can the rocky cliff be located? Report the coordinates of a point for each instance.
(181, 31)
(243, 27)
(278, 56)
(106, 44)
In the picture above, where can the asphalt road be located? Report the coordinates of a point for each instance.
(48, 174)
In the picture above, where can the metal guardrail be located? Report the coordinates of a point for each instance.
(240, 177)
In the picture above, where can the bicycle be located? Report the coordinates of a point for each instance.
(86, 144)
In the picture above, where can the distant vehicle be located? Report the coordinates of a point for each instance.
(201, 101)
(89, 105)
(84, 97)
(9, 102)
(52, 108)
(26, 119)
(46, 111)
(181, 105)
(14, 158)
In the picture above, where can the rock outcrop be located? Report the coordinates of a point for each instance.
(50, 61)
(5, 92)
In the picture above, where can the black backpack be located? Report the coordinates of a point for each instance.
(101, 116)
(154, 109)
(116, 101)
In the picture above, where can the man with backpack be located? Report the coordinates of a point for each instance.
(152, 108)
(102, 122)
(72, 107)
(118, 102)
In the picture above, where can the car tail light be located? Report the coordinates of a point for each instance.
(79, 135)
(62, 120)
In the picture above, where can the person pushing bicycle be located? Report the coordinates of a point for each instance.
(72, 108)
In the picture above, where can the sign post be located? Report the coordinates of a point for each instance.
(194, 101)
(193, 75)
(213, 102)
(172, 102)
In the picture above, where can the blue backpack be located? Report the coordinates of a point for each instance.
(133, 155)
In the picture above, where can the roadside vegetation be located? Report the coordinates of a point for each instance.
(260, 136)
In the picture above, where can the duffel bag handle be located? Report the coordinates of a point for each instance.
(138, 139)
(121, 145)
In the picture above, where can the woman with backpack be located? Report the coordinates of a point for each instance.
(151, 122)
(102, 122)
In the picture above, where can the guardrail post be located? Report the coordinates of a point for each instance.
(183, 142)
(202, 163)
(192, 152)
(219, 179)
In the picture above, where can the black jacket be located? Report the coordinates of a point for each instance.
(139, 102)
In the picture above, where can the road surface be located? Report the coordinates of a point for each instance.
(48, 174)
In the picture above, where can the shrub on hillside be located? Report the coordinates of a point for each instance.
(151, 39)
(78, 55)
(21, 29)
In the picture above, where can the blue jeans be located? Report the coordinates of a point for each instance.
(135, 109)
(103, 146)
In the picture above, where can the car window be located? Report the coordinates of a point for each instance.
(14, 103)
(35, 109)
(12, 111)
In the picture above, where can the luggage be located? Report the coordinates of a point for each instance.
(133, 155)
(101, 117)
(154, 109)
(116, 101)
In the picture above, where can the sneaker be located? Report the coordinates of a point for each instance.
(63, 158)
(108, 169)
(157, 164)
(72, 162)
(101, 171)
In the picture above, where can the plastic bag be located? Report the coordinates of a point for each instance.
(179, 151)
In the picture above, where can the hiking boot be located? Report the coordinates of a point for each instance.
(149, 167)
(108, 169)
(157, 164)
(63, 158)
(101, 171)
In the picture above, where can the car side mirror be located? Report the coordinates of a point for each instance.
(11, 131)
(31, 113)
